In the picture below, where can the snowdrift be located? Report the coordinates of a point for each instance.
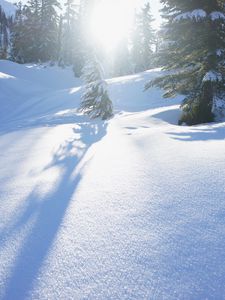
(131, 208)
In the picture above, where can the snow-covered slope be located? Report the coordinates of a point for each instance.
(132, 208)
(8, 7)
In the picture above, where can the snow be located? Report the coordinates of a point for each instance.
(132, 208)
(212, 76)
(196, 15)
(8, 8)
(219, 52)
(217, 15)
(199, 14)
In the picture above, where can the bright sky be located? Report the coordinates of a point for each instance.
(112, 20)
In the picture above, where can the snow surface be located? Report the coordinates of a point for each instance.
(132, 208)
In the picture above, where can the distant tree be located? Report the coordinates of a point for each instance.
(5, 31)
(193, 56)
(143, 40)
(35, 31)
(136, 46)
(49, 29)
(18, 36)
(148, 36)
(122, 59)
(32, 33)
(95, 100)
(68, 31)
(81, 30)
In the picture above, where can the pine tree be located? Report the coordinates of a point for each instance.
(95, 99)
(81, 30)
(5, 29)
(136, 49)
(49, 29)
(69, 27)
(18, 35)
(69, 38)
(78, 48)
(121, 59)
(149, 39)
(32, 24)
(193, 56)
(35, 31)
(143, 40)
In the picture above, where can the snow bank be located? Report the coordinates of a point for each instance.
(132, 208)
(52, 77)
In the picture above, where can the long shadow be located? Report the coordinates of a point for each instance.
(216, 132)
(47, 213)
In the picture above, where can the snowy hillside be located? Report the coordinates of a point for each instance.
(132, 208)
(8, 7)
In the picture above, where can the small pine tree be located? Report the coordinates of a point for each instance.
(95, 100)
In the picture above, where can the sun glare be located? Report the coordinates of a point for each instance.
(111, 22)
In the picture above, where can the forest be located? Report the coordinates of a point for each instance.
(189, 45)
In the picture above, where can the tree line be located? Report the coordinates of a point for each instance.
(41, 31)
(190, 48)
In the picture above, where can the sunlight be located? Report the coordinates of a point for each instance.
(111, 22)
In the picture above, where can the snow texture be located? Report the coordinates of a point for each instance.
(217, 15)
(212, 76)
(132, 208)
(197, 14)
(220, 52)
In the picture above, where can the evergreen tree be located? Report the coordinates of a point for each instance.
(143, 40)
(95, 99)
(5, 29)
(69, 24)
(82, 32)
(18, 35)
(49, 29)
(35, 31)
(78, 47)
(148, 37)
(60, 42)
(32, 28)
(122, 61)
(193, 56)
(136, 49)
(70, 41)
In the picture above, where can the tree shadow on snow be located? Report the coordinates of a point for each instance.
(170, 116)
(200, 133)
(46, 213)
